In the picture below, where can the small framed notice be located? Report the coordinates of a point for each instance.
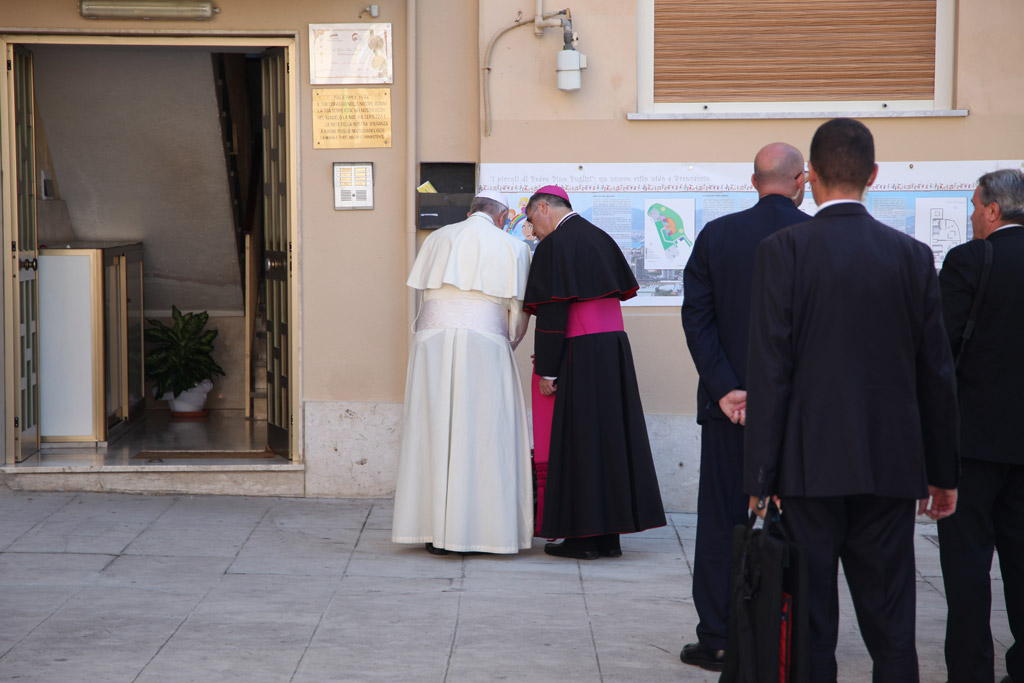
(353, 185)
(350, 54)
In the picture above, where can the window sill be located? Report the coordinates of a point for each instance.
(923, 113)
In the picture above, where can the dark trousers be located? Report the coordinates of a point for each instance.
(989, 515)
(721, 505)
(874, 538)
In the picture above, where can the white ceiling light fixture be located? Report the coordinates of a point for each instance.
(197, 10)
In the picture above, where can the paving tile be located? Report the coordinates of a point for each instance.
(213, 511)
(639, 579)
(168, 574)
(402, 561)
(97, 635)
(109, 587)
(21, 514)
(640, 639)
(212, 650)
(202, 541)
(523, 638)
(383, 585)
(297, 552)
(50, 569)
(250, 598)
(527, 581)
(131, 605)
(374, 637)
(381, 515)
(89, 535)
(32, 505)
(85, 658)
(308, 513)
(109, 507)
(25, 608)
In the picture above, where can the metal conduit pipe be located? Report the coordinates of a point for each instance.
(540, 22)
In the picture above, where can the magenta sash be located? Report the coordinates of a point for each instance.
(593, 317)
(585, 317)
(543, 412)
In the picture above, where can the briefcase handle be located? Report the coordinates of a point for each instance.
(772, 522)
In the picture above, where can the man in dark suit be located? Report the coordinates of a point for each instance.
(716, 315)
(851, 403)
(990, 507)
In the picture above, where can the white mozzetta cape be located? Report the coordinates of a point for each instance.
(473, 255)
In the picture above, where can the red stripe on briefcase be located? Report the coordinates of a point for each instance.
(785, 636)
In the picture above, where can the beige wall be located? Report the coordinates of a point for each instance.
(353, 264)
(449, 80)
(533, 121)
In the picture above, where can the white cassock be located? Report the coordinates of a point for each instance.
(464, 478)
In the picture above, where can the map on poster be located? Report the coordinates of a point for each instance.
(655, 211)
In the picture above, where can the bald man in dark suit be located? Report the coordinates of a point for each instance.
(716, 319)
(851, 403)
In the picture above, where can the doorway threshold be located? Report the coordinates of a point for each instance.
(222, 454)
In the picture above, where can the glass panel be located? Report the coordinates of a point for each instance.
(112, 324)
(136, 382)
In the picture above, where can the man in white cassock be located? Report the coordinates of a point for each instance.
(464, 478)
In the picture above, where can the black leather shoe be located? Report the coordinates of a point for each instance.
(608, 545)
(435, 551)
(571, 550)
(700, 655)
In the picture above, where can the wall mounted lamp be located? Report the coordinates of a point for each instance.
(568, 64)
(198, 10)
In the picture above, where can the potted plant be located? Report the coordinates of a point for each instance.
(180, 360)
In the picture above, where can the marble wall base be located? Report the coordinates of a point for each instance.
(352, 450)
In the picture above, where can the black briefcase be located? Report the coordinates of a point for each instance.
(768, 619)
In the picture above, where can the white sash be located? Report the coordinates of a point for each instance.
(472, 314)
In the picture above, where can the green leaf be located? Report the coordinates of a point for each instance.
(179, 356)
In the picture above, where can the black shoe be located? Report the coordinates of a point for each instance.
(608, 545)
(571, 548)
(700, 655)
(435, 551)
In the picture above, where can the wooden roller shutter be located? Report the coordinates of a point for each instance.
(793, 50)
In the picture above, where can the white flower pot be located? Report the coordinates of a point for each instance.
(190, 401)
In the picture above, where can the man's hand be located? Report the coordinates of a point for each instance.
(734, 405)
(760, 509)
(943, 503)
(547, 386)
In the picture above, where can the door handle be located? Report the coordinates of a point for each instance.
(274, 261)
(28, 264)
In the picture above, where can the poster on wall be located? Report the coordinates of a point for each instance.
(655, 211)
(350, 54)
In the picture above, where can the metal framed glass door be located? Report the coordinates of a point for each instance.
(24, 342)
(277, 247)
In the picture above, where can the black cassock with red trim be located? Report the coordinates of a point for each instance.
(601, 477)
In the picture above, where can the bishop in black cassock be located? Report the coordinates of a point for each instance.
(601, 479)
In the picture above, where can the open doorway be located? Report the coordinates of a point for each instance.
(182, 146)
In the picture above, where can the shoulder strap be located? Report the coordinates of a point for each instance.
(986, 270)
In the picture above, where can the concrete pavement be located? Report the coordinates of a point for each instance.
(112, 587)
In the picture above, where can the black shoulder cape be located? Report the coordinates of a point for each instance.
(578, 262)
